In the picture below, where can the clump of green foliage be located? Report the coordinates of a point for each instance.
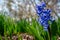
(9, 27)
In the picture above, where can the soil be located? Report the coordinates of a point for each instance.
(23, 36)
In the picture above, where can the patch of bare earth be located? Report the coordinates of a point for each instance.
(24, 36)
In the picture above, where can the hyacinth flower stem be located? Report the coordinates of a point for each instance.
(49, 31)
(47, 34)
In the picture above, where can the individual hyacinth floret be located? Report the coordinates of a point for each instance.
(44, 15)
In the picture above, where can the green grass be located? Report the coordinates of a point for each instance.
(8, 27)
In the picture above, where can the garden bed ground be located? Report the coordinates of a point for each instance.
(24, 36)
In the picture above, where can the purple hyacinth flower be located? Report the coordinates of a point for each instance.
(43, 4)
(40, 7)
(44, 15)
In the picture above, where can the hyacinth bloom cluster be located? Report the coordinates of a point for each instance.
(44, 15)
